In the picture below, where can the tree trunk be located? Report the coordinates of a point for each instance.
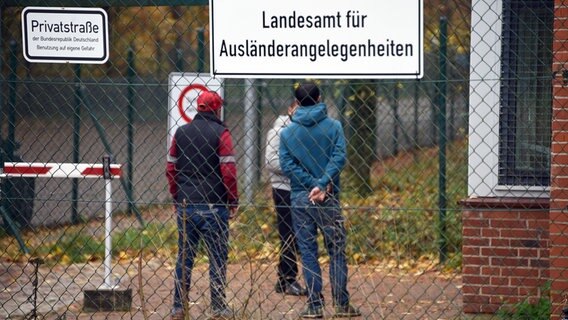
(362, 137)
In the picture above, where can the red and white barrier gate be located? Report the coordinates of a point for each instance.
(104, 170)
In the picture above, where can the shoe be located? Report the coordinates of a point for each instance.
(178, 315)
(347, 311)
(312, 312)
(295, 289)
(280, 287)
(222, 314)
(292, 289)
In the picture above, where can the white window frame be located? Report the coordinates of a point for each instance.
(485, 89)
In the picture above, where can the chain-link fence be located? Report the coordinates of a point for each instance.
(406, 171)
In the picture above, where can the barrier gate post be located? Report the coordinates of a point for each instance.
(108, 296)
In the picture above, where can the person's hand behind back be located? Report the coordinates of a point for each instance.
(317, 195)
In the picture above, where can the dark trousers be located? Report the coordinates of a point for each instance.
(287, 264)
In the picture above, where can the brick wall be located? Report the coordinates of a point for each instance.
(511, 247)
(505, 251)
(559, 165)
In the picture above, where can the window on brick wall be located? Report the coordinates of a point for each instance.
(526, 93)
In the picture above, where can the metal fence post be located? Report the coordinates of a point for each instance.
(416, 142)
(11, 227)
(257, 125)
(75, 218)
(179, 56)
(442, 139)
(396, 116)
(12, 93)
(251, 151)
(8, 147)
(35, 283)
(2, 80)
(200, 50)
(130, 130)
(8, 144)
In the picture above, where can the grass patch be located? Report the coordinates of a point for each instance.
(400, 220)
(528, 309)
(399, 223)
(75, 244)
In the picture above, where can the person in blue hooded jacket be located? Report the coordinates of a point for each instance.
(312, 155)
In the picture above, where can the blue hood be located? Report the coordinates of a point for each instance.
(310, 115)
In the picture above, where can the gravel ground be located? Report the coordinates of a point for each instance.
(379, 294)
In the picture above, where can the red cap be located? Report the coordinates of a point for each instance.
(209, 101)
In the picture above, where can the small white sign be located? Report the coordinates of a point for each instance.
(65, 35)
(183, 90)
(318, 38)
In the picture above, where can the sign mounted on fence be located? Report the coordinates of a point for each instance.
(184, 88)
(321, 39)
(65, 35)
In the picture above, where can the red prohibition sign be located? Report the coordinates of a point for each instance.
(182, 95)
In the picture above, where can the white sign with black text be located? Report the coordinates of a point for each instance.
(319, 38)
(65, 35)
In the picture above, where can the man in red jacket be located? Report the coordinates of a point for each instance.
(202, 178)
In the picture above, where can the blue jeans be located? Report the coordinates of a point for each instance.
(211, 224)
(326, 217)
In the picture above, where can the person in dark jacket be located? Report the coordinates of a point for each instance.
(312, 155)
(202, 179)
